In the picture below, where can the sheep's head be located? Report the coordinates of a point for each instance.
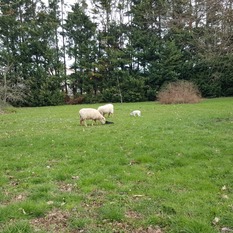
(103, 120)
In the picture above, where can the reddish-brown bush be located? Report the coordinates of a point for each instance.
(75, 100)
(179, 92)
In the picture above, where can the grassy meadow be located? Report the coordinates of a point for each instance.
(170, 170)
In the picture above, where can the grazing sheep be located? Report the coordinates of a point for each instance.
(106, 109)
(90, 114)
(135, 113)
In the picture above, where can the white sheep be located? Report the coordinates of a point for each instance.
(90, 114)
(135, 113)
(106, 109)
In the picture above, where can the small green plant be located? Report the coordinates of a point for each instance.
(79, 223)
(111, 212)
(18, 227)
(179, 92)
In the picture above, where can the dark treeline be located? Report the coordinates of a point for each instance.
(121, 50)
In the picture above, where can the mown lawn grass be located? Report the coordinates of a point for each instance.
(167, 171)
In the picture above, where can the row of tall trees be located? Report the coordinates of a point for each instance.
(121, 50)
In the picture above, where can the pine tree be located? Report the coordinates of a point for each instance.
(80, 31)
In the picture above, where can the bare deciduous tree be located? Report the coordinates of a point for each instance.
(9, 92)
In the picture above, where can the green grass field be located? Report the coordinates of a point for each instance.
(170, 170)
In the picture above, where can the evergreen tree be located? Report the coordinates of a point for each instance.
(80, 31)
(114, 59)
(28, 40)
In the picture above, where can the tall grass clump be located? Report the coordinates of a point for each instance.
(179, 92)
(6, 108)
(3, 106)
(18, 227)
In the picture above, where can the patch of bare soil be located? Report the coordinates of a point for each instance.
(63, 187)
(54, 221)
(20, 197)
(124, 227)
(11, 198)
(133, 215)
(150, 230)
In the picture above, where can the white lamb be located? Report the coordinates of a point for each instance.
(135, 113)
(90, 114)
(106, 109)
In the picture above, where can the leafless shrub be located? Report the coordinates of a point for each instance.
(11, 94)
(179, 92)
(75, 100)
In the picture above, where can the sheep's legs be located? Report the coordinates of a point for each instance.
(83, 121)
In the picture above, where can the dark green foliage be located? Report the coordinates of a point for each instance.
(133, 89)
(30, 52)
(44, 92)
(134, 49)
(214, 77)
(111, 95)
(80, 31)
(45, 98)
